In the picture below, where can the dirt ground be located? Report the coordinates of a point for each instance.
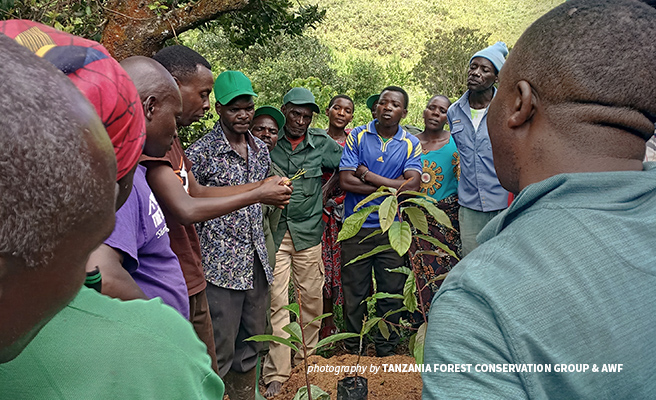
(382, 385)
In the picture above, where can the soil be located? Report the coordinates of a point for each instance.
(382, 385)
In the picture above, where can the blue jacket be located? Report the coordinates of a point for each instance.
(479, 187)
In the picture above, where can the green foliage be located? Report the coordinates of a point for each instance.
(261, 20)
(442, 68)
(82, 18)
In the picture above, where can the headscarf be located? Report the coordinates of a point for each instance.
(98, 76)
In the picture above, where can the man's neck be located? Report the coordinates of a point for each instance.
(386, 132)
(234, 138)
(480, 100)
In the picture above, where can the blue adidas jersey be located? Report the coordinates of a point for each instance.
(388, 159)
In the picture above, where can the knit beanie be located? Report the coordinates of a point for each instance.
(496, 54)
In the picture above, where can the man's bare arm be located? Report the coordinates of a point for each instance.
(116, 280)
(187, 209)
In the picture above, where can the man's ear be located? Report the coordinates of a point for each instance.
(523, 107)
(149, 106)
(217, 107)
(405, 113)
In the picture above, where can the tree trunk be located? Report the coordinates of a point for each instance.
(134, 29)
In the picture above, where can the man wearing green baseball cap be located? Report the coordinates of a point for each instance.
(233, 246)
(300, 150)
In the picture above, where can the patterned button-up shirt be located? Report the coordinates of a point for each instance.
(229, 243)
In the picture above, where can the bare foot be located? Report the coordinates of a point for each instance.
(273, 389)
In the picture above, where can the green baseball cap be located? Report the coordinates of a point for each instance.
(302, 97)
(231, 84)
(372, 99)
(273, 113)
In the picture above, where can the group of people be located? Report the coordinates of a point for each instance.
(104, 257)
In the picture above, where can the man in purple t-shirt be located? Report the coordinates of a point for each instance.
(136, 261)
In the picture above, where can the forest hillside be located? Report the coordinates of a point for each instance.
(362, 46)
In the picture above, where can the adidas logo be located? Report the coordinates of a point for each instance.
(380, 159)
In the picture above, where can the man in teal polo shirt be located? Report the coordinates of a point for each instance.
(309, 150)
(380, 153)
(562, 286)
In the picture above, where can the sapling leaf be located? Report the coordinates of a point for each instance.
(322, 316)
(420, 195)
(335, 338)
(293, 308)
(382, 295)
(395, 329)
(294, 330)
(354, 222)
(387, 212)
(382, 326)
(401, 270)
(372, 196)
(273, 338)
(370, 324)
(418, 350)
(439, 215)
(440, 277)
(378, 249)
(417, 218)
(438, 244)
(400, 237)
(316, 392)
(409, 299)
(390, 312)
(411, 343)
(372, 234)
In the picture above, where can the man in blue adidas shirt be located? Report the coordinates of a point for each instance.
(380, 153)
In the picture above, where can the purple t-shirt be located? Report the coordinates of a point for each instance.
(141, 234)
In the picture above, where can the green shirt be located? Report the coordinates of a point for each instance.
(102, 348)
(302, 217)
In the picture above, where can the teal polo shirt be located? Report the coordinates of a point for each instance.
(388, 159)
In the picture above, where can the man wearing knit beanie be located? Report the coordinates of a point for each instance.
(480, 194)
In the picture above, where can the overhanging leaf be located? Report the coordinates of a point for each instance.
(409, 299)
(420, 195)
(377, 250)
(387, 212)
(417, 218)
(390, 312)
(439, 215)
(400, 237)
(273, 338)
(353, 223)
(438, 244)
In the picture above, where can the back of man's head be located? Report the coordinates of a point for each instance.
(57, 192)
(592, 61)
(181, 61)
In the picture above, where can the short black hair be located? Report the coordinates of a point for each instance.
(181, 61)
(406, 98)
(436, 97)
(606, 79)
(49, 185)
(340, 96)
